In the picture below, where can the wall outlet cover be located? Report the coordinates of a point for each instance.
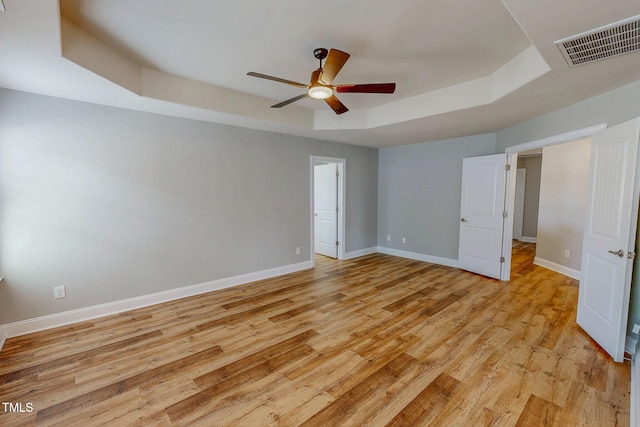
(59, 292)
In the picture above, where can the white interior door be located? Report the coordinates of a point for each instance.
(481, 220)
(609, 237)
(325, 209)
(518, 211)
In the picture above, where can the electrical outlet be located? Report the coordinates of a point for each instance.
(59, 292)
(297, 251)
(404, 240)
(388, 237)
(567, 254)
(636, 329)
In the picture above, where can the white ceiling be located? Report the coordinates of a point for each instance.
(461, 68)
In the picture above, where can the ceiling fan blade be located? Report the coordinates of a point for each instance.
(275, 79)
(332, 66)
(367, 88)
(336, 105)
(289, 101)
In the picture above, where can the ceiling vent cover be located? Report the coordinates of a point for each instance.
(601, 43)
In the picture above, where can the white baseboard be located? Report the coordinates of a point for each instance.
(635, 392)
(419, 257)
(28, 326)
(2, 337)
(360, 252)
(574, 274)
(529, 239)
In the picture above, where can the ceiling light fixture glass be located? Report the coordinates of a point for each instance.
(320, 92)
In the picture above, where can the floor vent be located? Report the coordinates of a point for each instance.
(602, 43)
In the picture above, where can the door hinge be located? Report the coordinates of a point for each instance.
(507, 167)
(337, 208)
(337, 243)
(505, 214)
(501, 259)
(631, 255)
(337, 171)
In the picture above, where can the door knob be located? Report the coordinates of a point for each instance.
(620, 253)
(463, 220)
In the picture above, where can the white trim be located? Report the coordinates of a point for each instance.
(574, 274)
(28, 326)
(526, 239)
(2, 337)
(509, 206)
(361, 252)
(419, 257)
(521, 180)
(573, 135)
(342, 189)
(635, 393)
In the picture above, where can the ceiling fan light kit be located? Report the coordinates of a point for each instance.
(320, 92)
(321, 87)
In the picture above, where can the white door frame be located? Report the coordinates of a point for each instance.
(521, 179)
(512, 160)
(342, 168)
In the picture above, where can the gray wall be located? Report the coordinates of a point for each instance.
(563, 202)
(533, 166)
(419, 194)
(612, 107)
(115, 203)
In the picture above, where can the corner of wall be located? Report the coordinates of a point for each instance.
(574, 274)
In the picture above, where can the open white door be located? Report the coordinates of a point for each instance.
(609, 237)
(481, 219)
(325, 209)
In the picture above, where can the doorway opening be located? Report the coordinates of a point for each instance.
(512, 159)
(327, 207)
(525, 212)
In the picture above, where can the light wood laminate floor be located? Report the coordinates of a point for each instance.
(377, 341)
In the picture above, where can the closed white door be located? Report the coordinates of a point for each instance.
(518, 211)
(609, 237)
(326, 209)
(481, 219)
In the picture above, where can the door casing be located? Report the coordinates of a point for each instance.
(342, 169)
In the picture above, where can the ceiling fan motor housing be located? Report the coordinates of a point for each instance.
(320, 53)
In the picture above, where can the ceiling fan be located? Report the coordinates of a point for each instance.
(321, 87)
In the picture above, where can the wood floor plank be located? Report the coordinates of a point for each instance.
(117, 388)
(430, 401)
(539, 413)
(366, 393)
(377, 340)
